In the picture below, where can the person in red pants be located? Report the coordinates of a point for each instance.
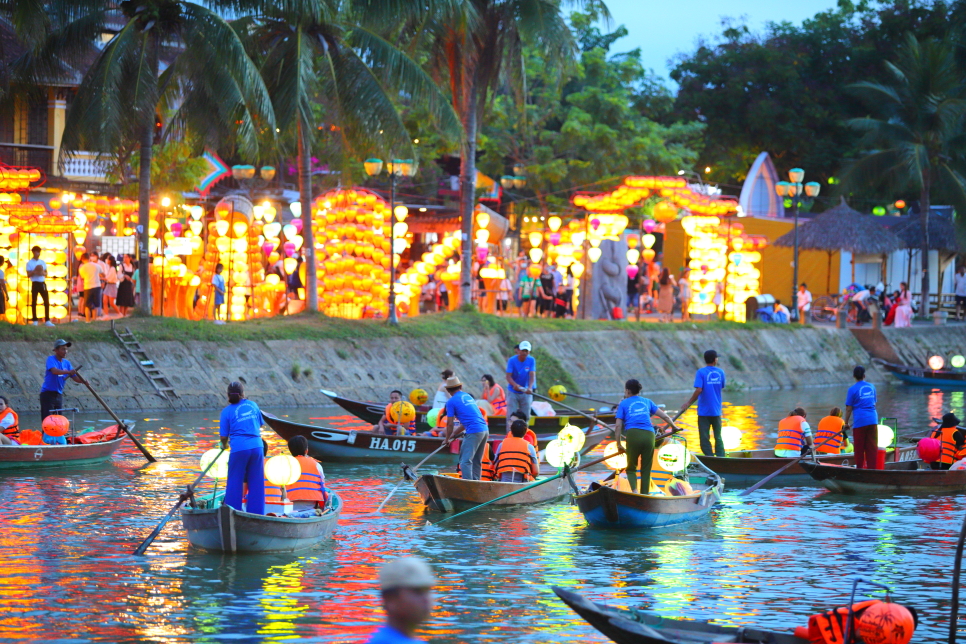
(860, 401)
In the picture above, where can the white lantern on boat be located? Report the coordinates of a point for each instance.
(617, 462)
(572, 436)
(558, 453)
(220, 468)
(730, 437)
(674, 457)
(885, 436)
(282, 470)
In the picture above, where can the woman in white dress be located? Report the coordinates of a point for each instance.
(903, 307)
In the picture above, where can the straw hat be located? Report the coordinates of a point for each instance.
(406, 572)
(453, 381)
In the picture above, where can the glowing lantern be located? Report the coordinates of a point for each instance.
(535, 239)
(80, 236)
(665, 211)
(221, 227)
(536, 254)
(239, 228)
(401, 228)
(730, 437)
(482, 219)
(290, 264)
(401, 213)
(648, 240)
(633, 255)
(649, 225)
(196, 227)
(554, 224)
(632, 271)
(482, 235)
(577, 269)
(885, 436)
(572, 436)
(220, 468)
(197, 212)
(289, 231)
(594, 254)
(271, 230)
(673, 457)
(632, 241)
(616, 461)
(557, 393)
(558, 453)
(936, 363)
(283, 470)
(957, 362)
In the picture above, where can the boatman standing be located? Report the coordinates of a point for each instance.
(708, 383)
(860, 401)
(406, 585)
(240, 428)
(521, 375)
(463, 408)
(56, 373)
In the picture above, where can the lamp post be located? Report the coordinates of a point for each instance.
(395, 168)
(793, 189)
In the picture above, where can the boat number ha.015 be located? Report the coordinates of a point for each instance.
(392, 444)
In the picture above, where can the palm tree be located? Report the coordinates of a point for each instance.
(209, 85)
(914, 135)
(473, 55)
(322, 54)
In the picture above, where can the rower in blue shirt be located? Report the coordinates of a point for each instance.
(56, 372)
(708, 383)
(461, 407)
(860, 401)
(240, 428)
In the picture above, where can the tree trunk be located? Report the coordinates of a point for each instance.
(924, 250)
(308, 236)
(144, 186)
(468, 193)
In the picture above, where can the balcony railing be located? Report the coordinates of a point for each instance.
(84, 166)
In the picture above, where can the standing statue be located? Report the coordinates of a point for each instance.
(608, 287)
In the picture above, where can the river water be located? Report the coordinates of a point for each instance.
(770, 559)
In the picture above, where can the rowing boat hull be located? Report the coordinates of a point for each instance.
(605, 507)
(225, 529)
(450, 494)
(639, 627)
(750, 466)
(338, 445)
(925, 377)
(372, 412)
(43, 456)
(897, 478)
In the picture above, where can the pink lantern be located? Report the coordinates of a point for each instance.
(554, 239)
(649, 225)
(595, 223)
(632, 271)
(268, 247)
(298, 224)
(176, 229)
(289, 248)
(481, 253)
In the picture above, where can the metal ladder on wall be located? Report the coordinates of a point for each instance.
(140, 357)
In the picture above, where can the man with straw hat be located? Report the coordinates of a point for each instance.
(461, 407)
(406, 585)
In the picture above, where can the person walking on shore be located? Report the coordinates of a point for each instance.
(708, 383)
(860, 401)
(406, 585)
(521, 375)
(56, 372)
(634, 420)
(461, 407)
(240, 428)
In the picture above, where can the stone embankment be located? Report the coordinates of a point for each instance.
(291, 373)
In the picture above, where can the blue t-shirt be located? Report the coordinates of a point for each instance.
(520, 371)
(219, 282)
(242, 424)
(711, 380)
(52, 382)
(861, 398)
(462, 407)
(636, 413)
(389, 635)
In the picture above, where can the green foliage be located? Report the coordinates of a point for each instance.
(174, 169)
(551, 372)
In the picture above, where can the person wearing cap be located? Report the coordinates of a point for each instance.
(521, 375)
(860, 401)
(37, 271)
(952, 442)
(461, 407)
(56, 373)
(708, 383)
(241, 429)
(406, 585)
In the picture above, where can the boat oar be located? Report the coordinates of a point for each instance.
(794, 461)
(565, 472)
(120, 423)
(412, 471)
(592, 419)
(184, 496)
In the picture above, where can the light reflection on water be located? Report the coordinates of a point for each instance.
(770, 559)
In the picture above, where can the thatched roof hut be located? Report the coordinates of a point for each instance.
(942, 233)
(842, 228)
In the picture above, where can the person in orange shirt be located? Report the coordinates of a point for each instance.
(793, 433)
(830, 436)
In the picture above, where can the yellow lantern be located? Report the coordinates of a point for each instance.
(482, 235)
(535, 238)
(884, 436)
(221, 227)
(558, 453)
(239, 228)
(616, 461)
(554, 224)
(633, 255)
(482, 219)
(577, 269)
(536, 254)
(594, 254)
(572, 436)
(401, 213)
(283, 470)
(557, 393)
(648, 240)
(730, 437)
(400, 229)
(219, 469)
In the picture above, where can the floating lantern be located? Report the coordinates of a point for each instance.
(936, 363)
(558, 453)
(220, 468)
(957, 362)
(283, 470)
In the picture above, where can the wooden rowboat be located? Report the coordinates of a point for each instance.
(606, 507)
(751, 465)
(340, 445)
(371, 412)
(627, 626)
(924, 376)
(451, 494)
(906, 477)
(224, 529)
(73, 454)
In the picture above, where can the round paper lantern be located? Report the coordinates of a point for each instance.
(885, 436)
(558, 453)
(648, 240)
(730, 437)
(632, 271)
(553, 223)
(573, 436)
(402, 412)
(418, 396)
(536, 254)
(957, 362)
(633, 255)
(283, 470)
(557, 393)
(289, 248)
(616, 462)
(220, 468)
(886, 623)
(936, 363)
(665, 211)
(594, 254)
(56, 425)
(649, 225)
(648, 255)
(432, 416)
(673, 457)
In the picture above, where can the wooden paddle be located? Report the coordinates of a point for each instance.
(565, 472)
(592, 419)
(413, 471)
(120, 423)
(181, 499)
(793, 462)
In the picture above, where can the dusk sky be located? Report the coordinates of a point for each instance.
(663, 30)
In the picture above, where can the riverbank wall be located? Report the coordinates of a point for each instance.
(284, 373)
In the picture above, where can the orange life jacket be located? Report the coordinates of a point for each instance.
(946, 436)
(14, 430)
(514, 456)
(497, 398)
(529, 437)
(486, 473)
(310, 485)
(829, 429)
(410, 427)
(659, 476)
(829, 627)
(790, 434)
